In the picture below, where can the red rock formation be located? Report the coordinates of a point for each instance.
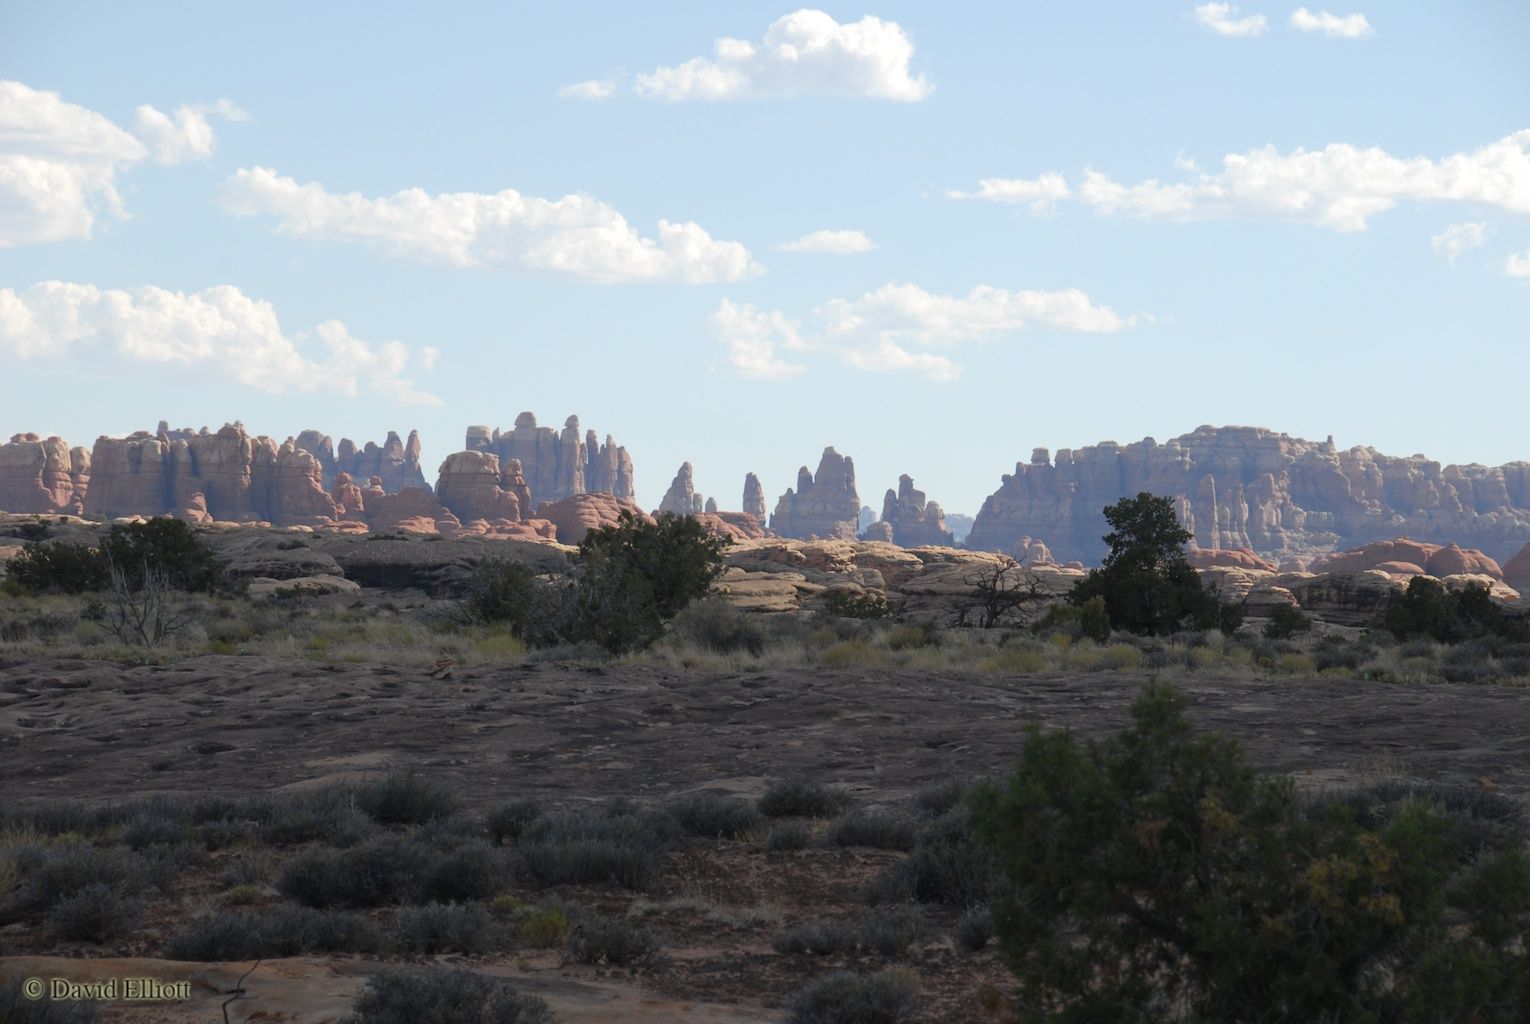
(578, 514)
(681, 498)
(558, 465)
(914, 521)
(1236, 558)
(1421, 557)
(733, 525)
(228, 476)
(1247, 487)
(824, 504)
(1516, 571)
(43, 476)
(412, 510)
(710, 508)
(754, 497)
(396, 463)
(471, 486)
(348, 497)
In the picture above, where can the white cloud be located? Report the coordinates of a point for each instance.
(1224, 21)
(1042, 193)
(753, 339)
(841, 243)
(1457, 238)
(805, 53)
(186, 136)
(1351, 26)
(1518, 265)
(59, 161)
(220, 328)
(1340, 186)
(897, 326)
(594, 89)
(576, 236)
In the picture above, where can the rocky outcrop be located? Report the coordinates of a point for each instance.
(735, 526)
(824, 504)
(960, 526)
(754, 497)
(228, 476)
(1246, 487)
(472, 487)
(578, 514)
(681, 499)
(1236, 558)
(914, 520)
(557, 465)
(1406, 556)
(396, 463)
(1516, 571)
(43, 476)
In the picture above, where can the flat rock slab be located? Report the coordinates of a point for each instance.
(213, 724)
(320, 990)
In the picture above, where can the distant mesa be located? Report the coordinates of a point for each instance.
(558, 464)
(823, 505)
(1286, 499)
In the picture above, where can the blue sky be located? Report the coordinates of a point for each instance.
(1317, 224)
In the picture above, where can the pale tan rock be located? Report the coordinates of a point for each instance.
(914, 520)
(307, 586)
(680, 498)
(754, 497)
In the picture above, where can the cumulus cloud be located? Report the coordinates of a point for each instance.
(1041, 194)
(187, 135)
(594, 89)
(805, 53)
(904, 327)
(840, 243)
(754, 340)
(220, 329)
(1223, 19)
(1457, 238)
(1350, 26)
(577, 236)
(59, 161)
(1518, 264)
(1339, 187)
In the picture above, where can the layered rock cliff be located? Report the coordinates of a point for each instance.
(681, 498)
(823, 505)
(40, 475)
(1247, 487)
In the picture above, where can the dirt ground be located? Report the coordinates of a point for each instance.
(215, 724)
(72, 729)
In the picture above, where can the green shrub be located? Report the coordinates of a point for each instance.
(1161, 846)
(943, 797)
(437, 995)
(510, 819)
(616, 846)
(714, 624)
(847, 604)
(887, 997)
(802, 798)
(1427, 609)
(376, 873)
(882, 830)
(889, 931)
(714, 815)
(1285, 622)
(912, 637)
(97, 913)
(502, 591)
(1085, 620)
(974, 929)
(401, 797)
(614, 941)
(284, 931)
(472, 871)
(1145, 582)
(544, 928)
(164, 546)
(443, 928)
(791, 835)
(58, 567)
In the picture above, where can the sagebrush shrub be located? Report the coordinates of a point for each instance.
(614, 941)
(805, 798)
(843, 997)
(437, 995)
